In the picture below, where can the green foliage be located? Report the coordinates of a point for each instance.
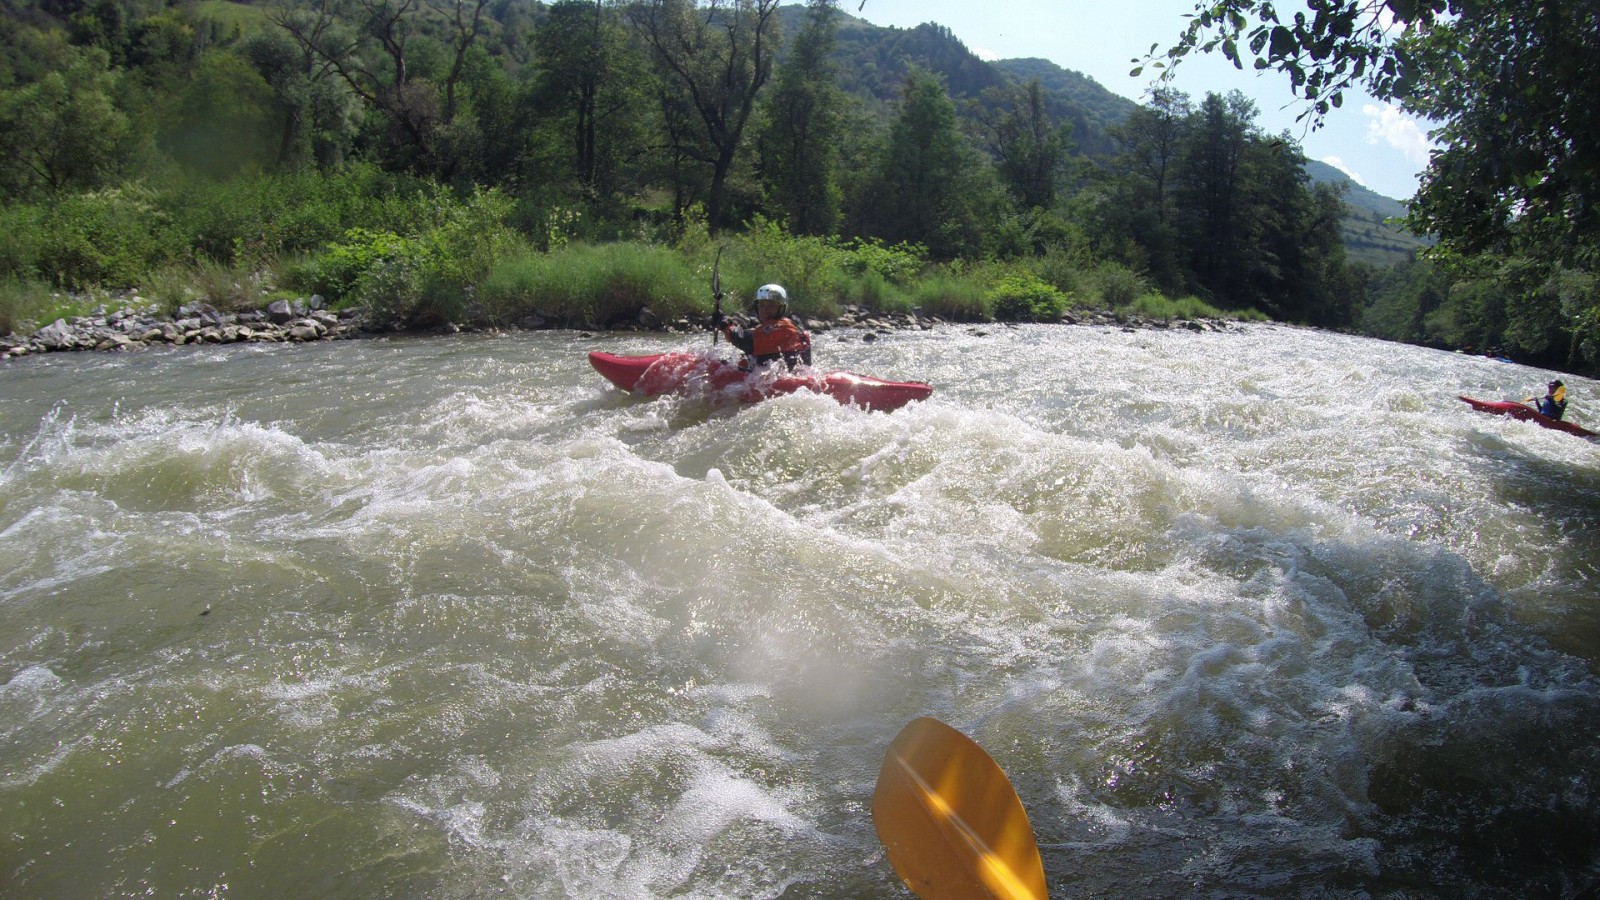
(808, 267)
(219, 122)
(589, 98)
(150, 144)
(899, 264)
(1021, 295)
(1509, 85)
(116, 237)
(1062, 266)
(236, 286)
(1400, 298)
(872, 291)
(712, 69)
(64, 131)
(109, 238)
(1115, 284)
(1028, 146)
(342, 269)
(423, 275)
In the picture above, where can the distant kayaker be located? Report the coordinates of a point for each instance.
(776, 336)
(1554, 403)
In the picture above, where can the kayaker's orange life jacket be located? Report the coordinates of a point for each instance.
(780, 338)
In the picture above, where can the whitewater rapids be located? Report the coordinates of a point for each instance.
(1266, 612)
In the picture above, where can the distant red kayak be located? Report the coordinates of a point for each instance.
(1527, 414)
(693, 374)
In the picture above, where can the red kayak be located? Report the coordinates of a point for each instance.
(1527, 414)
(697, 375)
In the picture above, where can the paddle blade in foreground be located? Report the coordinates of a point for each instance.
(950, 820)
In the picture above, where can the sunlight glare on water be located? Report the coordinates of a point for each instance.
(1260, 612)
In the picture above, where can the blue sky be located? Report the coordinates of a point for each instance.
(1375, 143)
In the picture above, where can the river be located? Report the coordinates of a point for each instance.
(1266, 612)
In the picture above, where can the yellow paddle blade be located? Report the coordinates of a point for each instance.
(952, 824)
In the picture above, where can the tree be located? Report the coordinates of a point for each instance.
(1150, 138)
(62, 132)
(589, 81)
(718, 56)
(1139, 205)
(221, 122)
(1211, 189)
(1028, 146)
(1509, 84)
(316, 120)
(930, 185)
(800, 139)
(376, 62)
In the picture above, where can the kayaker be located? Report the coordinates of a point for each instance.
(1554, 403)
(776, 336)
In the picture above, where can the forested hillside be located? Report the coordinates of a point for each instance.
(422, 157)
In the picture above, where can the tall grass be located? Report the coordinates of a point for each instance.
(24, 305)
(957, 297)
(1166, 309)
(594, 285)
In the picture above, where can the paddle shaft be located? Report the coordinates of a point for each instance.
(716, 292)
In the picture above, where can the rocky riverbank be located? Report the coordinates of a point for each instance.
(137, 324)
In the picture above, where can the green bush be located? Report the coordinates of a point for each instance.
(1023, 296)
(899, 264)
(250, 218)
(1116, 284)
(1063, 268)
(22, 242)
(111, 238)
(421, 276)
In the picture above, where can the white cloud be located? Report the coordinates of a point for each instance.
(1338, 163)
(1387, 124)
(985, 54)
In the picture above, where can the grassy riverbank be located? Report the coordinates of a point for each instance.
(411, 254)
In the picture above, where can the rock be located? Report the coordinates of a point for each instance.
(280, 313)
(56, 336)
(306, 330)
(316, 302)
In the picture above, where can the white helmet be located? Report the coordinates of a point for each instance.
(773, 292)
